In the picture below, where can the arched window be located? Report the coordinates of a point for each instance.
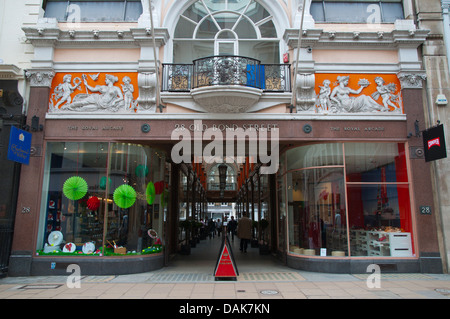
(231, 27)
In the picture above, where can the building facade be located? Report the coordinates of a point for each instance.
(136, 102)
(15, 57)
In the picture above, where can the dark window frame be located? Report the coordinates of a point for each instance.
(124, 10)
(327, 19)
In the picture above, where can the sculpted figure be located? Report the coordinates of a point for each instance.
(386, 92)
(65, 89)
(109, 98)
(343, 102)
(324, 96)
(128, 90)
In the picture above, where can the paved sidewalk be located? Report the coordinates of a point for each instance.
(277, 285)
(260, 278)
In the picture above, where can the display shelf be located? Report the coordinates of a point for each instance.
(400, 244)
(380, 243)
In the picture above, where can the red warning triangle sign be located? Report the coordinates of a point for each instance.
(225, 265)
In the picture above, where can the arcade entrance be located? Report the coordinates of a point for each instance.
(207, 197)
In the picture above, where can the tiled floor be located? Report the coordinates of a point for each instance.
(260, 277)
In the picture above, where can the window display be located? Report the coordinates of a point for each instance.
(102, 199)
(379, 213)
(347, 199)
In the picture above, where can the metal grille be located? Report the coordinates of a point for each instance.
(5, 247)
(226, 70)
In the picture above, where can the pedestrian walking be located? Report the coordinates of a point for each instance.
(219, 227)
(231, 227)
(211, 228)
(244, 231)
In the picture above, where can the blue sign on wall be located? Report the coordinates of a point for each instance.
(19, 146)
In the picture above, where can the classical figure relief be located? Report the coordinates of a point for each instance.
(103, 98)
(386, 92)
(64, 90)
(128, 90)
(324, 97)
(344, 99)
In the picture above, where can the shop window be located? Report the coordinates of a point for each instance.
(378, 200)
(314, 155)
(316, 199)
(384, 11)
(375, 162)
(102, 199)
(93, 11)
(353, 206)
(380, 220)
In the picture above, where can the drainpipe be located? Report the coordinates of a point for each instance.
(300, 34)
(154, 53)
(446, 26)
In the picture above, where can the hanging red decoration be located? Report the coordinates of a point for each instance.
(159, 187)
(93, 203)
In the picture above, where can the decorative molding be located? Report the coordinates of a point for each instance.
(10, 71)
(39, 78)
(229, 116)
(226, 98)
(305, 95)
(57, 38)
(147, 92)
(185, 100)
(413, 80)
(319, 38)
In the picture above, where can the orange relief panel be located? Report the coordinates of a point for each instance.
(90, 91)
(354, 93)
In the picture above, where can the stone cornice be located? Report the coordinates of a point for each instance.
(318, 38)
(10, 71)
(54, 37)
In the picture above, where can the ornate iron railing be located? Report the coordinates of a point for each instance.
(226, 70)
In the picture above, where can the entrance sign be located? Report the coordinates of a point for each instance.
(434, 143)
(226, 267)
(19, 146)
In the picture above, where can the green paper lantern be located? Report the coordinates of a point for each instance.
(102, 184)
(124, 196)
(150, 193)
(141, 171)
(75, 188)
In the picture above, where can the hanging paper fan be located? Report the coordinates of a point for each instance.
(93, 203)
(141, 170)
(75, 188)
(124, 196)
(159, 186)
(150, 193)
(102, 184)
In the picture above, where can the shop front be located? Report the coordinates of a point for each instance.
(347, 206)
(346, 195)
(103, 207)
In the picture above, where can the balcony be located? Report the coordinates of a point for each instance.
(226, 84)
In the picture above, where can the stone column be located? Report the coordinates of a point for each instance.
(426, 227)
(30, 187)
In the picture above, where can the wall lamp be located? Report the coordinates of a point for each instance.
(416, 128)
(35, 126)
